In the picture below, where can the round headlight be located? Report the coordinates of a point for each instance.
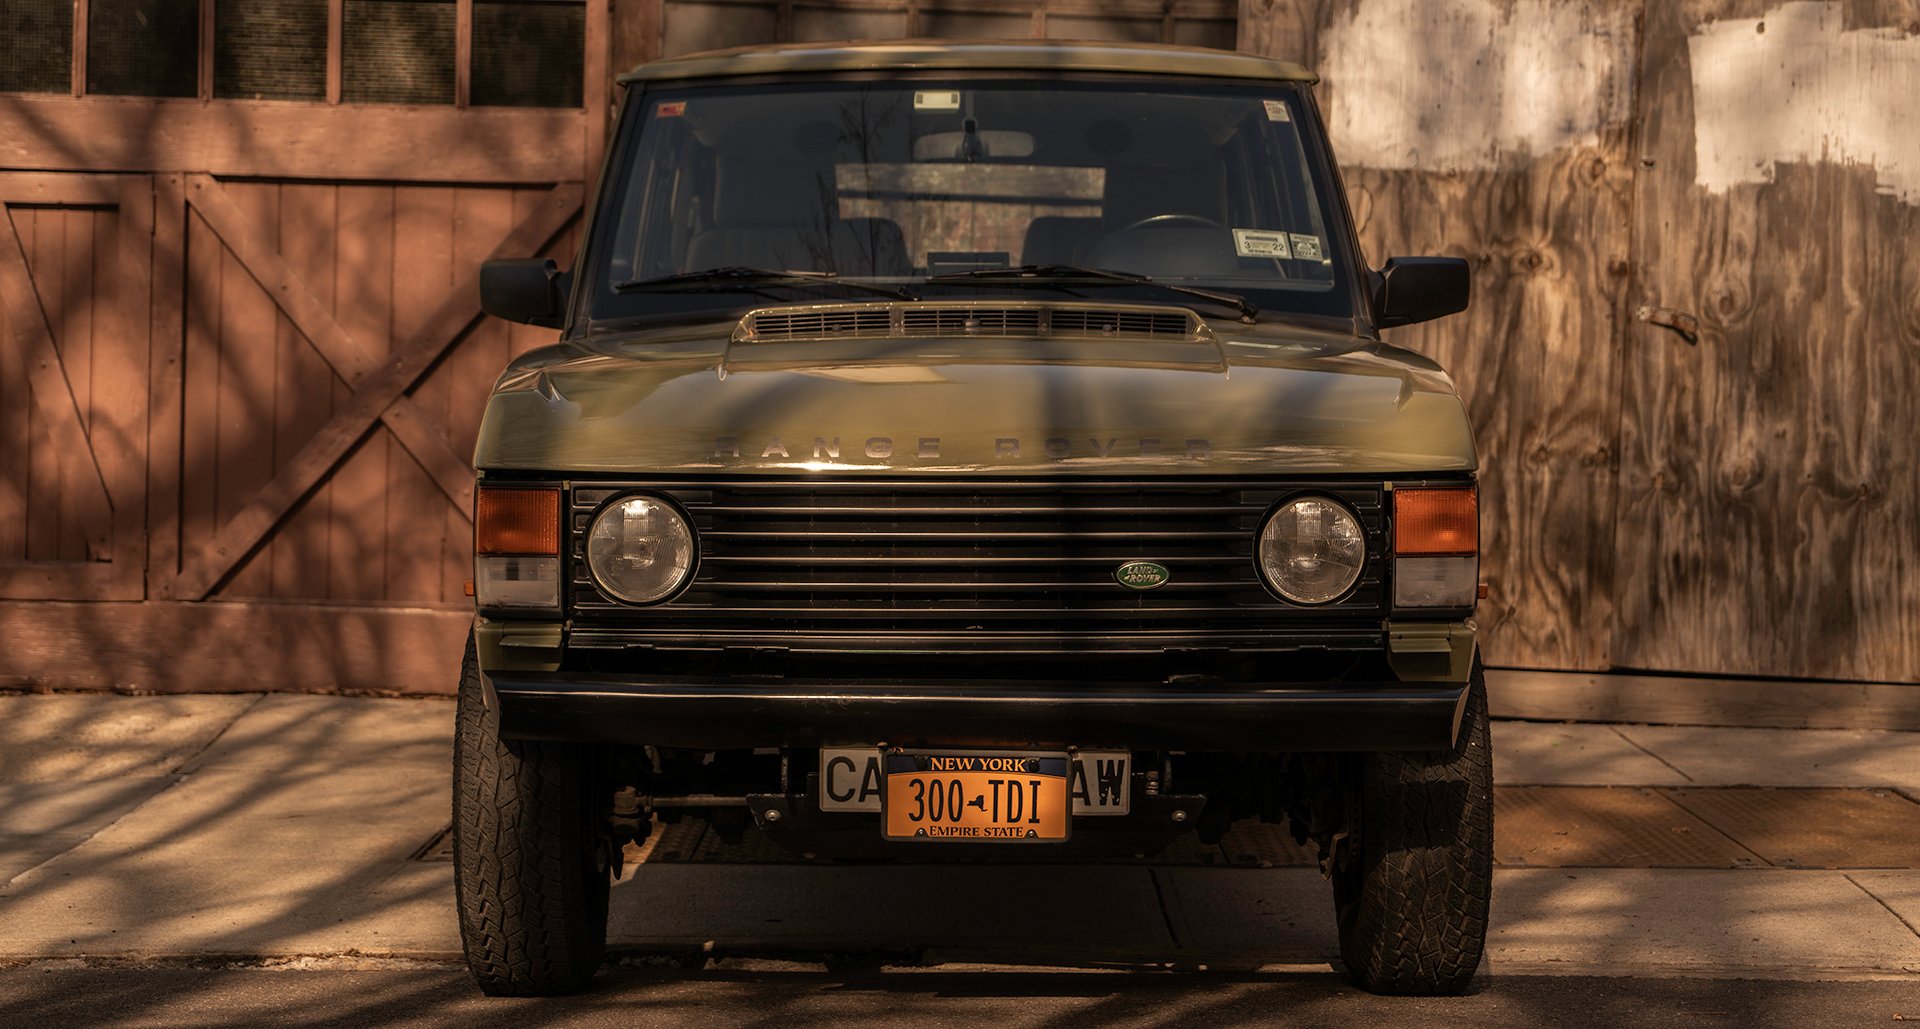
(640, 549)
(1311, 550)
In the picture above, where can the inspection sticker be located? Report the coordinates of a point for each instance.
(936, 100)
(1277, 110)
(1305, 247)
(671, 109)
(1260, 243)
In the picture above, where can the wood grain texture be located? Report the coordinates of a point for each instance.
(263, 138)
(358, 553)
(1535, 354)
(416, 526)
(310, 315)
(69, 453)
(1692, 700)
(240, 534)
(166, 360)
(1770, 482)
(172, 647)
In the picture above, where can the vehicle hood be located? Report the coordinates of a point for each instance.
(1260, 399)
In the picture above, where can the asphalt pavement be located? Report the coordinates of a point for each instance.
(242, 859)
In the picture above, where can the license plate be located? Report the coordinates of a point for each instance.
(1098, 782)
(976, 797)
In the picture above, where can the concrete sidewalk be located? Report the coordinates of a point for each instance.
(187, 829)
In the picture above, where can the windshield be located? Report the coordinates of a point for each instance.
(928, 186)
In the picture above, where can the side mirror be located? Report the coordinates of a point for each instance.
(1418, 289)
(531, 290)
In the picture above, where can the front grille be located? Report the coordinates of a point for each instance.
(826, 566)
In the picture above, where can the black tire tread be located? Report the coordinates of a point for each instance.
(531, 923)
(1413, 905)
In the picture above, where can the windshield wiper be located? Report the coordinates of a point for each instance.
(735, 278)
(1053, 274)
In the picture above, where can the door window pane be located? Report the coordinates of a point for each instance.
(398, 52)
(143, 47)
(528, 53)
(36, 46)
(270, 49)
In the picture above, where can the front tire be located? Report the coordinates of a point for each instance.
(530, 872)
(1412, 897)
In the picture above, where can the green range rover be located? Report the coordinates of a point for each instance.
(963, 450)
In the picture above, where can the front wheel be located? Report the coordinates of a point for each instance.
(530, 854)
(1412, 896)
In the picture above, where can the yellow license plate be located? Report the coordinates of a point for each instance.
(977, 797)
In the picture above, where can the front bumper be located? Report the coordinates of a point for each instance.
(744, 713)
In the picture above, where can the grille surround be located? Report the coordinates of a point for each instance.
(944, 566)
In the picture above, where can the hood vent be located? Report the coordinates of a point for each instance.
(1087, 321)
(959, 320)
(822, 323)
(970, 321)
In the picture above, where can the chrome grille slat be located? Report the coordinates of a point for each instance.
(866, 561)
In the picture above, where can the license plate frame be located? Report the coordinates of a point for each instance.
(849, 780)
(1002, 792)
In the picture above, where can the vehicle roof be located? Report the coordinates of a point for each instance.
(984, 55)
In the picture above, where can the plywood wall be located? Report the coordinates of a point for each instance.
(1770, 475)
(1499, 132)
(1740, 498)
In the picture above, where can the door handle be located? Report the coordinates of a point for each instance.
(1684, 325)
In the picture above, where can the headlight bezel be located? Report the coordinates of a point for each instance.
(1364, 537)
(693, 544)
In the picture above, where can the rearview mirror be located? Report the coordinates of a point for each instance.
(530, 290)
(1418, 289)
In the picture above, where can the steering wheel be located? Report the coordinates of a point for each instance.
(1161, 221)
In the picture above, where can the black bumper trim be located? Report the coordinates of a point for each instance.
(1346, 716)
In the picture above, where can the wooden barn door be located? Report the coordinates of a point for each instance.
(1770, 438)
(75, 291)
(313, 313)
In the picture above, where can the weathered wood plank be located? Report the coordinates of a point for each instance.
(304, 381)
(73, 297)
(61, 188)
(263, 138)
(1769, 483)
(44, 514)
(1690, 700)
(246, 400)
(312, 315)
(165, 383)
(59, 580)
(53, 399)
(200, 405)
(123, 343)
(423, 268)
(363, 302)
(242, 533)
(231, 647)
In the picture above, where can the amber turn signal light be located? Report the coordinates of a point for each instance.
(516, 521)
(1436, 521)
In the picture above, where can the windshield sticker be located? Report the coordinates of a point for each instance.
(936, 100)
(1259, 243)
(1305, 247)
(1277, 110)
(671, 109)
